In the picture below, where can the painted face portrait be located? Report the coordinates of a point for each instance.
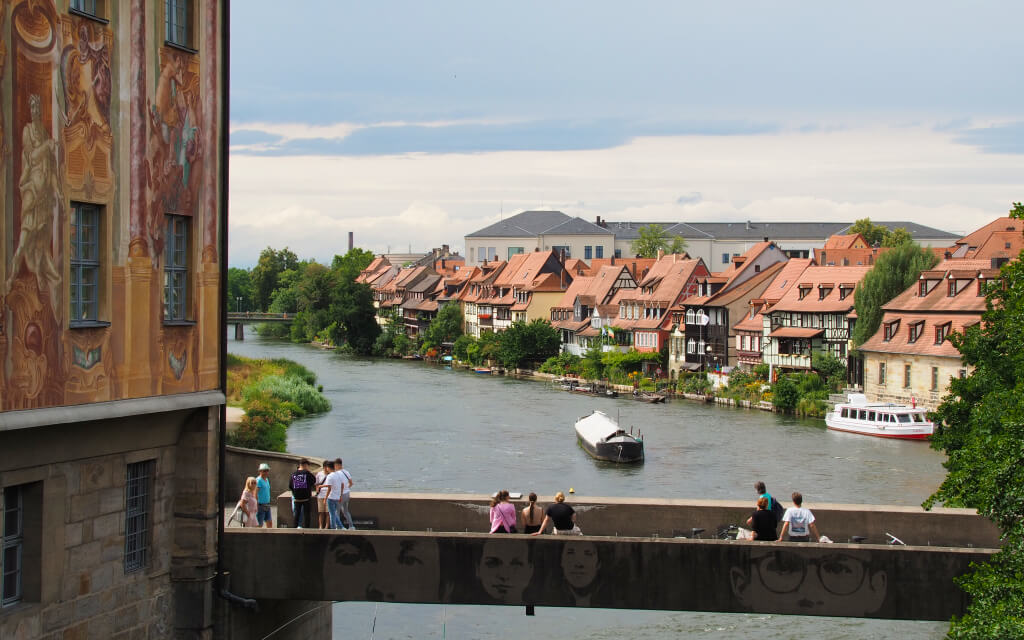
(409, 569)
(809, 582)
(580, 563)
(505, 569)
(352, 564)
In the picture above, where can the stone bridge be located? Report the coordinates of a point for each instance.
(427, 548)
(241, 318)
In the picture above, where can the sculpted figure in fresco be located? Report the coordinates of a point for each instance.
(85, 72)
(41, 190)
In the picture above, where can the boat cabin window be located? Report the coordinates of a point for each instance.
(871, 416)
(863, 414)
(883, 417)
(846, 412)
(904, 417)
(917, 417)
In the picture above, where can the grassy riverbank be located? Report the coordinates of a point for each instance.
(272, 393)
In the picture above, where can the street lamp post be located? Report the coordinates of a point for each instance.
(707, 356)
(238, 304)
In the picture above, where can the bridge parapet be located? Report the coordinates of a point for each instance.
(599, 571)
(665, 518)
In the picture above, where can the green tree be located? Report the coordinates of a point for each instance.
(896, 237)
(894, 271)
(349, 265)
(354, 317)
(266, 272)
(654, 238)
(445, 327)
(980, 427)
(528, 343)
(830, 368)
(785, 393)
(873, 233)
(240, 290)
(461, 346)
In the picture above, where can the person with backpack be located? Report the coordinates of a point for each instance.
(773, 505)
(301, 485)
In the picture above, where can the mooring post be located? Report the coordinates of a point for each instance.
(239, 331)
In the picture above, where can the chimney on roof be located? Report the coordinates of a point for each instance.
(748, 225)
(613, 260)
(661, 254)
(766, 238)
(351, 239)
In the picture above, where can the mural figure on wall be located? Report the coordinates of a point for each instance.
(85, 83)
(41, 191)
(174, 144)
(389, 569)
(580, 567)
(505, 569)
(818, 582)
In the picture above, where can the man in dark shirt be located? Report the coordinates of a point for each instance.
(562, 516)
(302, 484)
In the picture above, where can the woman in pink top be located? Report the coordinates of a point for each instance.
(248, 502)
(503, 513)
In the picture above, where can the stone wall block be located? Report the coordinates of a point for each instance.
(83, 557)
(57, 616)
(112, 549)
(97, 474)
(110, 500)
(102, 626)
(106, 526)
(103, 577)
(73, 534)
(83, 506)
(88, 606)
(78, 632)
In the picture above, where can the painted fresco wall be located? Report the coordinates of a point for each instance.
(103, 112)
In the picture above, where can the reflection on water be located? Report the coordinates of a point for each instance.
(409, 426)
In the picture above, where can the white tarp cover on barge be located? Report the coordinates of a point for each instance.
(596, 427)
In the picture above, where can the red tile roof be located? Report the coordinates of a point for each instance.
(795, 332)
(811, 303)
(925, 344)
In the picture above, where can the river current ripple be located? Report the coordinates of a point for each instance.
(409, 426)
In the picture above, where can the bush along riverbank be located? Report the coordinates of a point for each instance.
(272, 393)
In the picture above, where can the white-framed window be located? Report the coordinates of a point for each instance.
(881, 373)
(85, 263)
(176, 268)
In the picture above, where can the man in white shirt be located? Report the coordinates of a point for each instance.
(346, 488)
(334, 481)
(321, 494)
(797, 521)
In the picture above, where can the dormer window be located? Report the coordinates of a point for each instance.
(823, 291)
(890, 329)
(844, 291)
(804, 290)
(942, 332)
(914, 331)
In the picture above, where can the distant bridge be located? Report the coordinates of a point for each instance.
(241, 318)
(633, 557)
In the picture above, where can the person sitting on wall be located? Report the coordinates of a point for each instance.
(562, 516)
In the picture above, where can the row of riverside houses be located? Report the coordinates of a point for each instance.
(765, 307)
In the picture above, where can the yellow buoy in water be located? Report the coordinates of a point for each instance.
(571, 490)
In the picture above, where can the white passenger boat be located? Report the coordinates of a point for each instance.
(601, 437)
(857, 415)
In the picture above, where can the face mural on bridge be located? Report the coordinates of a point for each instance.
(580, 566)
(811, 582)
(389, 569)
(505, 569)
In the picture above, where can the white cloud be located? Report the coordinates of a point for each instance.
(910, 173)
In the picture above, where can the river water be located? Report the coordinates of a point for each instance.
(410, 426)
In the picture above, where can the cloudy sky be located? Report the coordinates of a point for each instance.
(413, 124)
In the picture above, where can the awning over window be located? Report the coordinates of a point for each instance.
(795, 332)
(690, 366)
